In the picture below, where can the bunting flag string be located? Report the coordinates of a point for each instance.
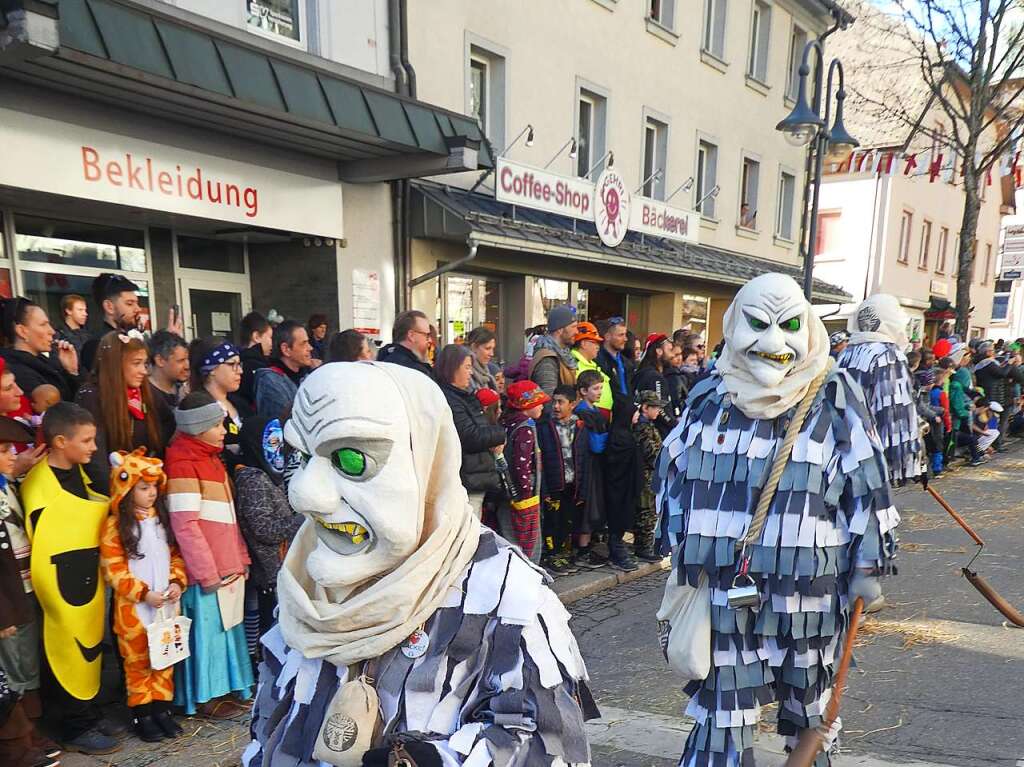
(918, 164)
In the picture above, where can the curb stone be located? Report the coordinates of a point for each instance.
(573, 588)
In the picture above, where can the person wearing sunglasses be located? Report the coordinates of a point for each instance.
(410, 342)
(216, 367)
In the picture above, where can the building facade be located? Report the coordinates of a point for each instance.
(1008, 298)
(680, 99)
(890, 212)
(224, 156)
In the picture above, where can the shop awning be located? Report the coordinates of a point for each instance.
(140, 58)
(443, 212)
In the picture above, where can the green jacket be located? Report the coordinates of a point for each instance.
(959, 402)
(582, 363)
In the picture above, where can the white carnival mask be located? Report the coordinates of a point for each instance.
(767, 328)
(357, 483)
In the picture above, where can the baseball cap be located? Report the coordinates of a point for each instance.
(651, 399)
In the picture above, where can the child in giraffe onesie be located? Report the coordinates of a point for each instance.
(143, 565)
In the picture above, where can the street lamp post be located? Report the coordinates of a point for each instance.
(805, 126)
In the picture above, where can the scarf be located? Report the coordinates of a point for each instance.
(363, 620)
(547, 342)
(482, 376)
(135, 405)
(879, 318)
(748, 394)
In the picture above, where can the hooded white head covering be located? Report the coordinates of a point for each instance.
(879, 318)
(390, 528)
(775, 346)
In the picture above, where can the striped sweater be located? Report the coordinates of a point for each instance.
(202, 511)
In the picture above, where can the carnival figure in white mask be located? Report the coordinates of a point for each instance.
(406, 629)
(875, 358)
(777, 544)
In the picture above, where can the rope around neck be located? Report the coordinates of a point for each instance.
(782, 458)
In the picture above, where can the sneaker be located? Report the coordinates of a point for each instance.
(978, 461)
(39, 759)
(619, 559)
(92, 742)
(588, 559)
(557, 566)
(47, 747)
(648, 554)
(876, 605)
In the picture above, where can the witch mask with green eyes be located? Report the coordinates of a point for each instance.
(775, 346)
(390, 528)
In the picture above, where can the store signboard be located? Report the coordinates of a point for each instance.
(366, 301)
(608, 203)
(530, 187)
(655, 218)
(62, 158)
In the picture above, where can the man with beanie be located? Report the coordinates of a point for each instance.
(552, 362)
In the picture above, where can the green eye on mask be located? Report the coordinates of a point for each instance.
(757, 324)
(792, 325)
(349, 461)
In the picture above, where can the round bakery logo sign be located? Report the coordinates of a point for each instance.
(611, 213)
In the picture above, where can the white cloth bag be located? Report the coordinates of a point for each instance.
(231, 600)
(168, 639)
(684, 627)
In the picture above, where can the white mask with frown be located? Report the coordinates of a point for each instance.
(775, 346)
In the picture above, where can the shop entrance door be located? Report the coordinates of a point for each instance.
(214, 307)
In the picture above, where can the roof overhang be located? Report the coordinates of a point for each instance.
(160, 63)
(454, 214)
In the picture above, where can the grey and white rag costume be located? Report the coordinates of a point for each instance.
(390, 548)
(876, 360)
(831, 511)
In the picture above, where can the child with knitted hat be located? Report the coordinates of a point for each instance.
(202, 511)
(141, 562)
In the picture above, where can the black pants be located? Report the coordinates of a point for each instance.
(69, 716)
(557, 520)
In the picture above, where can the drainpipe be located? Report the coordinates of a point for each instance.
(403, 47)
(399, 195)
(450, 266)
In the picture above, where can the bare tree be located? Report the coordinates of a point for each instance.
(969, 55)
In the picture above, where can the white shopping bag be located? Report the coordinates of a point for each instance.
(168, 639)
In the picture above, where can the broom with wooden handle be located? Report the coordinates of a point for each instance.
(812, 740)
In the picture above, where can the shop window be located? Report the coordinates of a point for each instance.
(715, 12)
(655, 160)
(663, 12)
(707, 178)
(760, 36)
(695, 313)
(485, 93)
(48, 289)
(68, 243)
(749, 181)
(211, 255)
(787, 195)
(797, 43)
(277, 18)
(906, 226)
(591, 115)
(926, 243)
(940, 256)
(1001, 299)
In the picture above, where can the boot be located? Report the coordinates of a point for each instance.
(146, 728)
(619, 557)
(647, 554)
(164, 719)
